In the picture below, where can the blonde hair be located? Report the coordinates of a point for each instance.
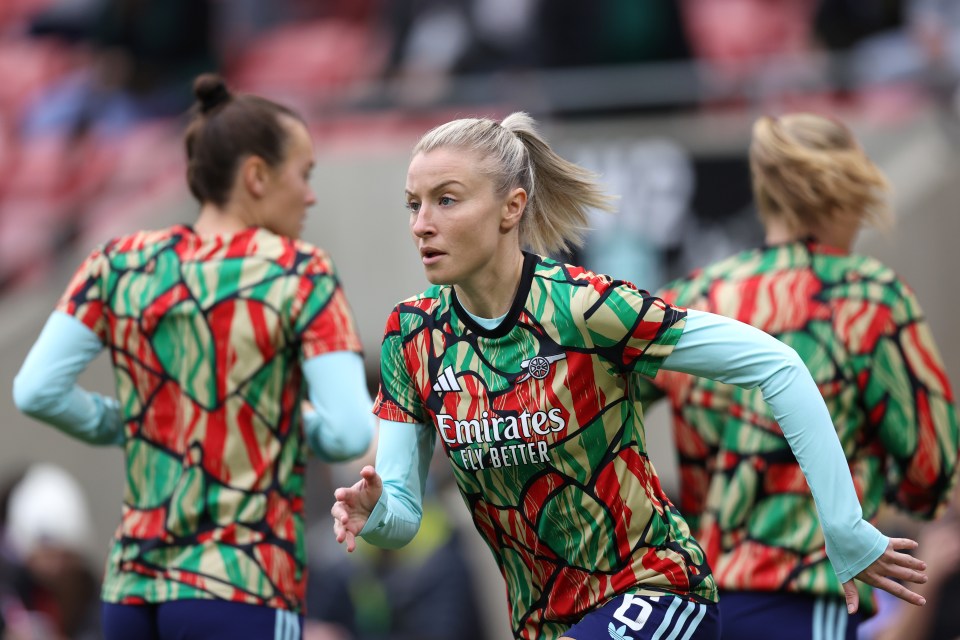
(806, 168)
(559, 192)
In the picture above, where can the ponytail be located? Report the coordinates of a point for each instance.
(559, 192)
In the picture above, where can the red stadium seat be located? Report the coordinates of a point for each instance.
(317, 60)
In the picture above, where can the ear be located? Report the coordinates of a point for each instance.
(255, 174)
(514, 205)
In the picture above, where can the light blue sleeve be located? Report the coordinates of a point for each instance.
(403, 460)
(46, 387)
(340, 427)
(726, 350)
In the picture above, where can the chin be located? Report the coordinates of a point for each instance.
(438, 276)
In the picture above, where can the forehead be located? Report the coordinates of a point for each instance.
(299, 143)
(430, 168)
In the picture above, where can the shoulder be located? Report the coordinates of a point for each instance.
(600, 301)
(413, 312)
(315, 259)
(295, 256)
(693, 289)
(873, 282)
(139, 241)
(129, 251)
(428, 301)
(577, 280)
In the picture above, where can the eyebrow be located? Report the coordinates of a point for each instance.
(440, 187)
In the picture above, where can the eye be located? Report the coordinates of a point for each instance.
(413, 206)
(445, 201)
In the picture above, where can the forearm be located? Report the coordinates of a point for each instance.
(403, 461)
(340, 426)
(46, 389)
(735, 353)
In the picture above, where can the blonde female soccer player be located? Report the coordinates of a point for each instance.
(525, 370)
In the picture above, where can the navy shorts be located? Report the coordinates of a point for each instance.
(635, 617)
(199, 620)
(795, 616)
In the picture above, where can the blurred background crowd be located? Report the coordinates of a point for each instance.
(657, 96)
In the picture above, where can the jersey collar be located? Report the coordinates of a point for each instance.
(530, 261)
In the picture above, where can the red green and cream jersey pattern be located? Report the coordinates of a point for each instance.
(863, 337)
(206, 336)
(545, 439)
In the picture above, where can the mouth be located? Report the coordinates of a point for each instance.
(429, 255)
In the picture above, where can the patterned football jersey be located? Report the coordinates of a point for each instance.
(863, 337)
(545, 437)
(206, 337)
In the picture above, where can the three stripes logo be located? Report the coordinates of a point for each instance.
(447, 381)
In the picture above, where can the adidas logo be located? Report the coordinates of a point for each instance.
(618, 634)
(447, 381)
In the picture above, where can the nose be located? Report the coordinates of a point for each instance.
(421, 223)
(311, 197)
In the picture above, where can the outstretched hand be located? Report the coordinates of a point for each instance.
(885, 570)
(354, 505)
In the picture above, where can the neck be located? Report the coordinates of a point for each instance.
(215, 221)
(833, 233)
(489, 293)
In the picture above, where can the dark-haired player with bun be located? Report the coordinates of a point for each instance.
(215, 330)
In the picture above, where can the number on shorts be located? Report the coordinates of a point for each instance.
(637, 623)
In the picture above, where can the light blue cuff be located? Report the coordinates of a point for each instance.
(340, 427)
(403, 461)
(729, 351)
(46, 386)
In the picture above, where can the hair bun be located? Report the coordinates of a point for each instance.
(211, 91)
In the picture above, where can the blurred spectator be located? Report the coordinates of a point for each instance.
(609, 32)
(47, 589)
(842, 23)
(939, 619)
(753, 48)
(421, 592)
(146, 53)
(424, 591)
(503, 35)
(428, 39)
(923, 44)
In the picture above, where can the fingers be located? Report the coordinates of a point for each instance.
(852, 597)
(341, 528)
(897, 589)
(894, 558)
(904, 573)
(371, 476)
(902, 544)
(340, 511)
(346, 537)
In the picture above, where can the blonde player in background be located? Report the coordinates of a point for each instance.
(862, 334)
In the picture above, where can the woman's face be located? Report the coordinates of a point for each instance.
(288, 193)
(455, 214)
